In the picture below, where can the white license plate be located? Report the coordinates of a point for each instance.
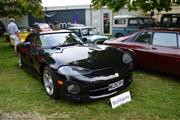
(115, 85)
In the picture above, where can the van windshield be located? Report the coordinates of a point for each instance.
(89, 31)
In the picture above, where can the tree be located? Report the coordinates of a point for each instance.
(145, 5)
(20, 7)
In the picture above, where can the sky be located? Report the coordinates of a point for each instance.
(51, 3)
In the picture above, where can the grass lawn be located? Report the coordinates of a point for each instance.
(22, 97)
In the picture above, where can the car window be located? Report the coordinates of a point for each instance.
(165, 39)
(89, 31)
(54, 39)
(133, 22)
(77, 32)
(144, 37)
(38, 42)
(119, 21)
(29, 38)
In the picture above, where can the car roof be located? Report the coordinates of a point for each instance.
(80, 27)
(55, 31)
(162, 29)
(130, 16)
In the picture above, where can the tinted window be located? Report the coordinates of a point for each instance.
(165, 39)
(144, 37)
(38, 42)
(50, 40)
(29, 38)
(77, 32)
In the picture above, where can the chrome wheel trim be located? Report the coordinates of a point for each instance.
(48, 82)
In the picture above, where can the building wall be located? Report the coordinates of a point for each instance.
(62, 16)
(94, 18)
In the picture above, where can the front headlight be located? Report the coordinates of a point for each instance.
(73, 89)
(127, 58)
(73, 70)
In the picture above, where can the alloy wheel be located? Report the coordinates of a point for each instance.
(48, 82)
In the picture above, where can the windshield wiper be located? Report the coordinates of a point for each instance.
(56, 47)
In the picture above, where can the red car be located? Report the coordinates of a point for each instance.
(156, 48)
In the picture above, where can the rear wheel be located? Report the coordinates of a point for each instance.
(119, 35)
(50, 84)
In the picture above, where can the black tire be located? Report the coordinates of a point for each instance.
(119, 35)
(50, 83)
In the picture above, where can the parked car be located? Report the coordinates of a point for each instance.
(126, 24)
(23, 33)
(73, 70)
(2, 28)
(89, 34)
(41, 27)
(170, 20)
(157, 49)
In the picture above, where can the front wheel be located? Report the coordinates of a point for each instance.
(50, 84)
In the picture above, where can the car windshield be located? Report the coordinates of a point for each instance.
(89, 31)
(147, 21)
(59, 39)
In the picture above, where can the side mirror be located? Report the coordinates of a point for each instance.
(27, 43)
(84, 40)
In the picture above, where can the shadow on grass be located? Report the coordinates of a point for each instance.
(150, 72)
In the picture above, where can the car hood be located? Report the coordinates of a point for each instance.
(118, 40)
(93, 38)
(87, 56)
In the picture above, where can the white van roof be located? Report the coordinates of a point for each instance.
(124, 16)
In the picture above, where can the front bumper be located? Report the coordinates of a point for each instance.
(93, 90)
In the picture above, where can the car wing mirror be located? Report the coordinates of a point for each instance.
(84, 40)
(27, 43)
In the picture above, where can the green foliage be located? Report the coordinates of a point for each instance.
(145, 5)
(20, 7)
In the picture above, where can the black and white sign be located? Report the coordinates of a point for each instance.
(120, 99)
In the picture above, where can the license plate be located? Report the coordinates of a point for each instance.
(115, 85)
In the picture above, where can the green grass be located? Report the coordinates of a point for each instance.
(154, 97)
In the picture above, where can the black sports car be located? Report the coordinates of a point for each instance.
(73, 70)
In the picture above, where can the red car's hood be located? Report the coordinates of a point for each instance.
(118, 40)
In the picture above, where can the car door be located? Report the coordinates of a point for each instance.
(139, 45)
(26, 48)
(37, 52)
(29, 50)
(164, 53)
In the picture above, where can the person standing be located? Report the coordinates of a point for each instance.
(13, 32)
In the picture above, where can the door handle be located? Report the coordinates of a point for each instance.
(153, 48)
